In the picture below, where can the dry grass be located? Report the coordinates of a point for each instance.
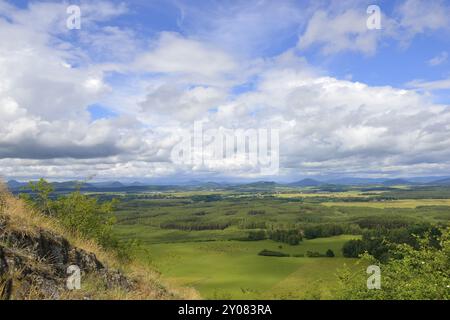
(148, 284)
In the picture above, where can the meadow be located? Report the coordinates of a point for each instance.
(202, 239)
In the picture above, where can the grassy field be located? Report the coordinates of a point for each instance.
(234, 270)
(347, 194)
(214, 262)
(410, 203)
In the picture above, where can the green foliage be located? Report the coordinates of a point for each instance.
(387, 222)
(86, 216)
(79, 214)
(353, 248)
(244, 224)
(323, 230)
(207, 198)
(256, 212)
(292, 237)
(41, 199)
(270, 253)
(256, 235)
(329, 253)
(414, 273)
(314, 254)
(194, 225)
(375, 241)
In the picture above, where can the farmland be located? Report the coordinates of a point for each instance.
(210, 240)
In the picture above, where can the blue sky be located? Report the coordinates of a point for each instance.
(115, 97)
(393, 63)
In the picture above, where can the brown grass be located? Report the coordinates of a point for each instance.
(21, 218)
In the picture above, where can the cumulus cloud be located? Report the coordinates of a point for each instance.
(338, 28)
(159, 87)
(344, 31)
(418, 16)
(175, 54)
(439, 59)
(429, 85)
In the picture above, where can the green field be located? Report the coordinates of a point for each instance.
(233, 270)
(410, 203)
(196, 239)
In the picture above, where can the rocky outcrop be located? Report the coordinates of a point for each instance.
(35, 265)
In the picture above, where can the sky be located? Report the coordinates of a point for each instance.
(111, 99)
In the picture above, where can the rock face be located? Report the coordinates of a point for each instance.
(35, 266)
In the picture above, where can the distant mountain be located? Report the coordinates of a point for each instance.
(211, 184)
(136, 184)
(354, 181)
(14, 184)
(396, 182)
(258, 185)
(306, 183)
(108, 184)
(69, 185)
(441, 182)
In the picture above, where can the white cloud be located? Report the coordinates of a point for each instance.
(326, 124)
(342, 26)
(419, 16)
(429, 85)
(439, 59)
(175, 54)
(336, 33)
(184, 105)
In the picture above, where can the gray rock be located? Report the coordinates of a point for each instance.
(39, 262)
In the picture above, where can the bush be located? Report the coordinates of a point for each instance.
(86, 216)
(194, 226)
(314, 254)
(353, 248)
(329, 253)
(79, 214)
(292, 237)
(256, 235)
(415, 274)
(323, 231)
(256, 212)
(270, 253)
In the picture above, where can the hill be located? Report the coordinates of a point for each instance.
(306, 183)
(36, 252)
(441, 182)
(396, 182)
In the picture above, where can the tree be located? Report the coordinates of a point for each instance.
(78, 213)
(329, 253)
(353, 248)
(86, 216)
(410, 273)
(42, 191)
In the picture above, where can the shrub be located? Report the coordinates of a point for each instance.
(256, 235)
(314, 254)
(292, 237)
(353, 248)
(298, 255)
(86, 216)
(270, 253)
(415, 274)
(323, 231)
(256, 212)
(329, 253)
(78, 213)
